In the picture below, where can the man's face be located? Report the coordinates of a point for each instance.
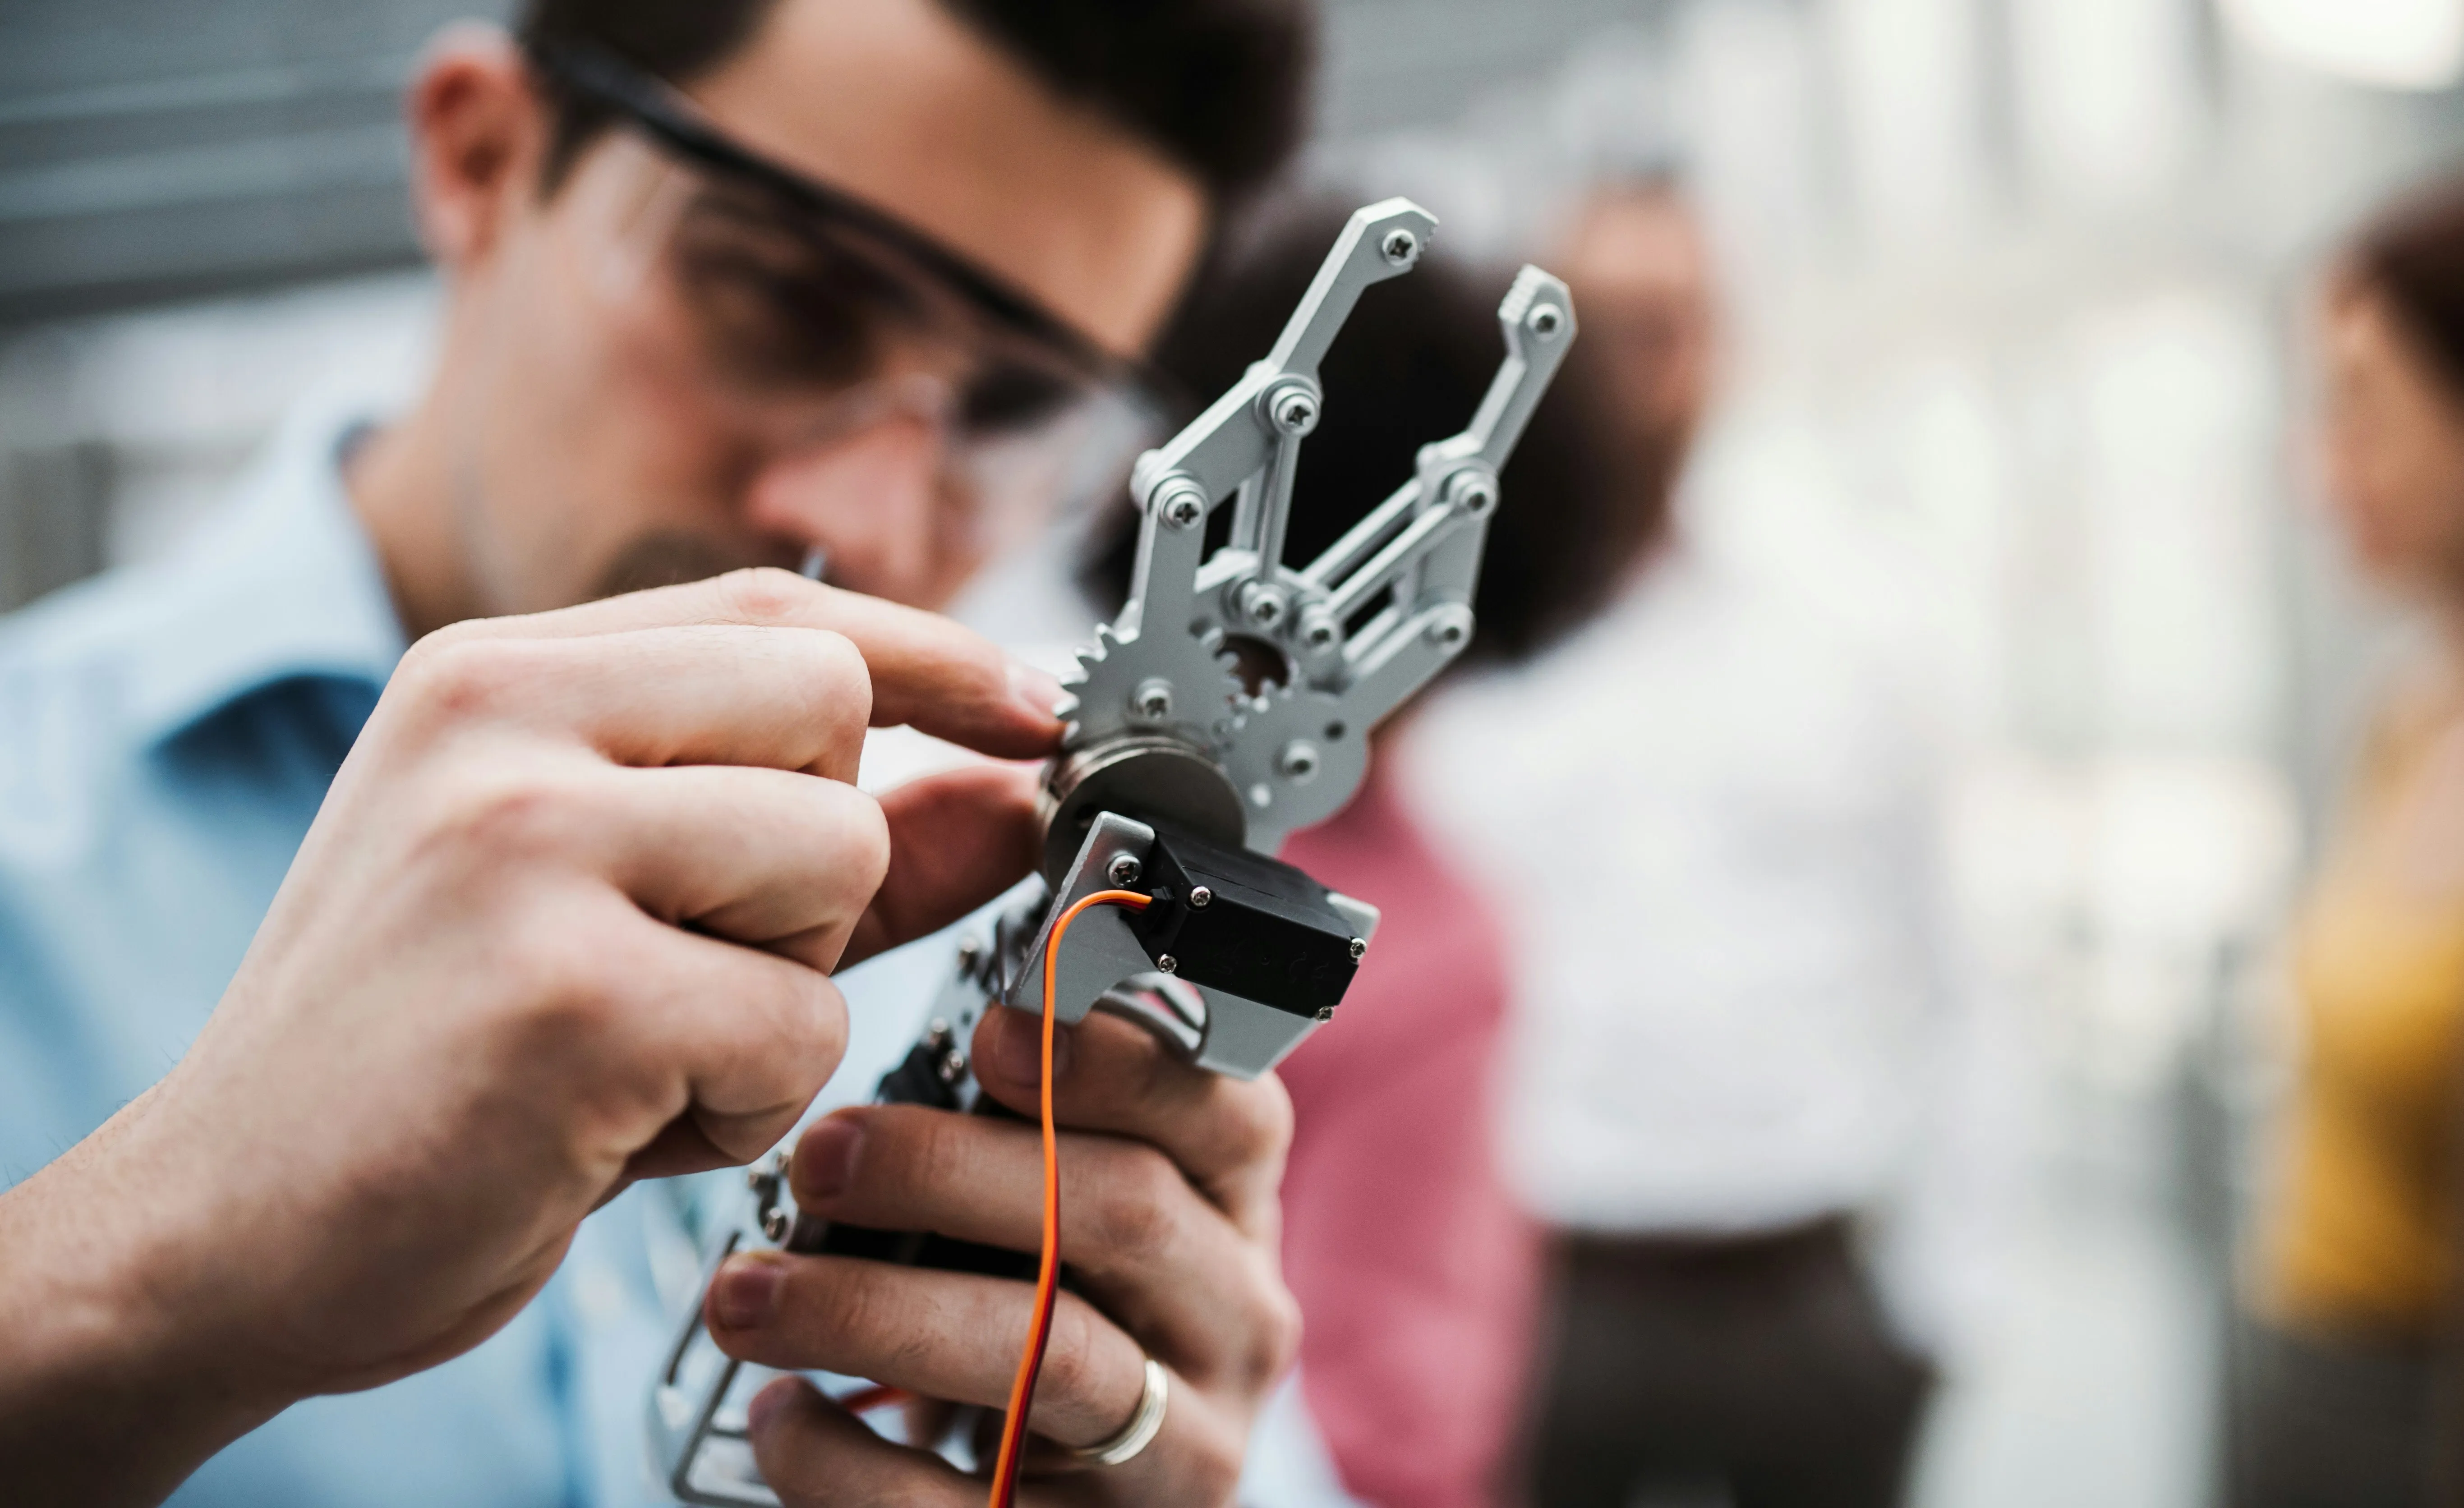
(622, 411)
(1638, 263)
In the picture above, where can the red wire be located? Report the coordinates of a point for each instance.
(1047, 1275)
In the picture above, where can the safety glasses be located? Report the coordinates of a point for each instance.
(813, 315)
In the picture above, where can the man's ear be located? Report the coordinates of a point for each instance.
(478, 135)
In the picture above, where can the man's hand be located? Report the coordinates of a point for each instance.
(564, 920)
(1169, 1219)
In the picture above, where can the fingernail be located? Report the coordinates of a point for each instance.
(745, 1293)
(1035, 690)
(1018, 1048)
(825, 1162)
(769, 1401)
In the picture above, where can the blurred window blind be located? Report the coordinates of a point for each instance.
(151, 149)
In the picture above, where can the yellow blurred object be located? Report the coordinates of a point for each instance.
(2362, 1237)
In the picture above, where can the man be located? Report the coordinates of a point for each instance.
(1711, 816)
(729, 284)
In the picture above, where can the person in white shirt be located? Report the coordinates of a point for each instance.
(1709, 819)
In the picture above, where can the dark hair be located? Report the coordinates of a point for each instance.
(2413, 255)
(1219, 86)
(1580, 507)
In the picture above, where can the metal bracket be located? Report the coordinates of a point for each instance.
(1357, 630)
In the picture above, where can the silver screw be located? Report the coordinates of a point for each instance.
(1400, 245)
(1473, 491)
(1296, 413)
(1359, 947)
(1201, 898)
(1125, 869)
(1319, 630)
(1326, 1012)
(953, 1066)
(1262, 605)
(776, 1225)
(1168, 964)
(1182, 504)
(1451, 628)
(1152, 700)
(971, 953)
(1547, 319)
(1298, 762)
(756, 1177)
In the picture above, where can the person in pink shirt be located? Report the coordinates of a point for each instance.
(1418, 1278)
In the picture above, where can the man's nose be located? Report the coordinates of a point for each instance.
(864, 498)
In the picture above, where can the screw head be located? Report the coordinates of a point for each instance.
(1474, 492)
(1400, 245)
(953, 1066)
(1546, 319)
(757, 1175)
(1451, 628)
(1152, 700)
(1296, 413)
(1326, 1012)
(1201, 898)
(1359, 948)
(1180, 504)
(776, 1225)
(1124, 870)
(1168, 964)
(1262, 605)
(1319, 630)
(1299, 762)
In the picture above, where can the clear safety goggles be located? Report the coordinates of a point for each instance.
(810, 317)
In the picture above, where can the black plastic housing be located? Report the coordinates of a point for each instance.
(1268, 931)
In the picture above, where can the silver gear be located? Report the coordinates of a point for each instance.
(1296, 763)
(1207, 700)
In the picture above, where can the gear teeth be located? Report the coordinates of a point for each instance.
(1104, 681)
(1066, 709)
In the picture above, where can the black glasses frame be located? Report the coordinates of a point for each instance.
(672, 117)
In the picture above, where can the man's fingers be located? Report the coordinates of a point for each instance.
(927, 671)
(1161, 1260)
(767, 858)
(957, 840)
(955, 1336)
(716, 693)
(814, 1455)
(1227, 1137)
(738, 1041)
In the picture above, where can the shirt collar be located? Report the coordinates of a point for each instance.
(287, 586)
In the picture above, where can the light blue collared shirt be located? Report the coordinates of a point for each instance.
(166, 734)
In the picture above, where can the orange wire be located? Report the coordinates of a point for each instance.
(1048, 1274)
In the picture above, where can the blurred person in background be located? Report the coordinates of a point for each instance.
(727, 284)
(1418, 1275)
(2344, 1361)
(1709, 818)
